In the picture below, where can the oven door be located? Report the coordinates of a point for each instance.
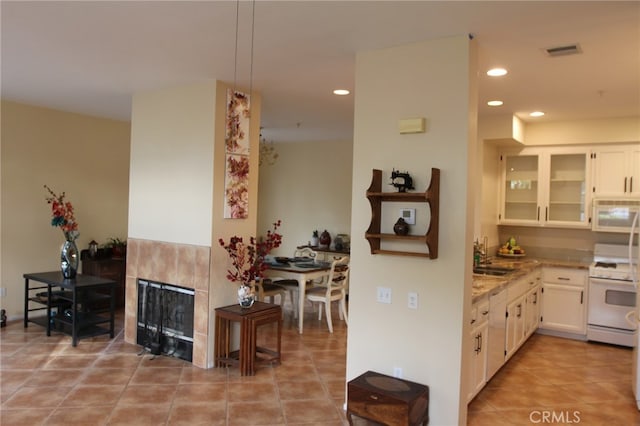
(609, 302)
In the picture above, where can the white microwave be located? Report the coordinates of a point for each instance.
(614, 215)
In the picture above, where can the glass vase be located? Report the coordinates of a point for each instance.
(69, 259)
(246, 296)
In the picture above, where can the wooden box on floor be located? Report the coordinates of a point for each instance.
(387, 400)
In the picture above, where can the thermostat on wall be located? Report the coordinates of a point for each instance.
(409, 215)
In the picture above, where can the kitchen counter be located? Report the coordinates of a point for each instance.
(483, 284)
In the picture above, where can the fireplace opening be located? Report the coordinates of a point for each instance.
(165, 319)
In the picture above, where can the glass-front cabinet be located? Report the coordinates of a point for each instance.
(545, 187)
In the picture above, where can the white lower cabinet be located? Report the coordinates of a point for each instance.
(565, 300)
(515, 325)
(500, 325)
(479, 346)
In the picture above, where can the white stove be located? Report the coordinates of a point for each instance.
(611, 261)
(612, 295)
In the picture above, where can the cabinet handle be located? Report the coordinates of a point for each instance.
(479, 342)
(625, 184)
(472, 321)
(484, 313)
(519, 310)
(535, 298)
(631, 184)
(538, 213)
(546, 213)
(563, 279)
(581, 296)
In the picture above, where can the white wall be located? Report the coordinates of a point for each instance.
(86, 157)
(308, 188)
(171, 183)
(436, 80)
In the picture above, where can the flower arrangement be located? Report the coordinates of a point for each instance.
(62, 215)
(248, 259)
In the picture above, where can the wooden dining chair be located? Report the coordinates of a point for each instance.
(332, 290)
(266, 288)
(292, 285)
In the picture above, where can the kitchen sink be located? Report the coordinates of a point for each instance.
(492, 270)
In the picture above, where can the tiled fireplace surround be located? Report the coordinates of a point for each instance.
(180, 264)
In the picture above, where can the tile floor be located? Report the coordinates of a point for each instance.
(559, 381)
(45, 381)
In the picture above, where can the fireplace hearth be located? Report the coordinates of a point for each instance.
(165, 319)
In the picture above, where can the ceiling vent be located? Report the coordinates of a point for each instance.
(571, 49)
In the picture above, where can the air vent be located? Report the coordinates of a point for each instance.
(571, 49)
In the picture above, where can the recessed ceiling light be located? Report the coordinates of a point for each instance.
(497, 72)
(341, 92)
(536, 114)
(495, 103)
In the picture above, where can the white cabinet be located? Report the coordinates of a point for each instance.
(479, 344)
(616, 170)
(532, 310)
(545, 187)
(565, 300)
(515, 325)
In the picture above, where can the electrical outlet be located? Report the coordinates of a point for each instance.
(384, 295)
(397, 372)
(412, 300)
(3, 292)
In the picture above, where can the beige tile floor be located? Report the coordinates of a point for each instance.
(45, 381)
(559, 381)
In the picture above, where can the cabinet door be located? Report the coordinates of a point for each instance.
(566, 201)
(479, 347)
(616, 171)
(532, 311)
(634, 173)
(564, 308)
(515, 325)
(520, 188)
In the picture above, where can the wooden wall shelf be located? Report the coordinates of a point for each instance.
(376, 197)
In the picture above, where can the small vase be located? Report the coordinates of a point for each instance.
(401, 227)
(246, 296)
(325, 239)
(69, 258)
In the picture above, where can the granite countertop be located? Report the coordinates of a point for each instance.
(483, 284)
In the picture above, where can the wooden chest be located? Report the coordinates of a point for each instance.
(387, 400)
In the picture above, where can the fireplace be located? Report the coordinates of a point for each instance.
(165, 319)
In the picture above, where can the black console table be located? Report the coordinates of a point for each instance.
(75, 302)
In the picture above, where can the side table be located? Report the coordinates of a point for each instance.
(387, 400)
(250, 319)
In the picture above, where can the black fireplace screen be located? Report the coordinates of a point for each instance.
(165, 319)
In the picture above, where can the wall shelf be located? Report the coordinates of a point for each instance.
(376, 197)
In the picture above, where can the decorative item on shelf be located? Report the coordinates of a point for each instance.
(62, 217)
(325, 240)
(93, 248)
(402, 181)
(337, 243)
(315, 239)
(118, 247)
(401, 227)
(248, 261)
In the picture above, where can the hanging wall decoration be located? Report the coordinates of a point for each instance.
(237, 143)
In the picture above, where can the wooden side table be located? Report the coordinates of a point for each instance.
(250, 319)
(387, 400)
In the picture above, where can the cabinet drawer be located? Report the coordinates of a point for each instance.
(566, 276)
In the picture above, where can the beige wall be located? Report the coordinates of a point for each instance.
(308, 188)
(436, 80)
(86, 157)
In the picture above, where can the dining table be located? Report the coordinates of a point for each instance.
(301, 270)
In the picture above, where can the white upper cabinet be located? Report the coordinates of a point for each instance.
(616, 171)
(545, 187)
